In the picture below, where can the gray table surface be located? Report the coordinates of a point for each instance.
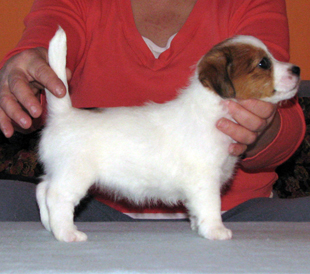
(156, 247)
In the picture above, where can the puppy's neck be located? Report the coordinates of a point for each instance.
(199, 96)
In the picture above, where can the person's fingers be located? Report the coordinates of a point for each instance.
(250, 119)
(260, 108)
(237, 149)
(41, 72)
(13, 110)
(24, 94)
(245, 117)
(237, 132)
(6, 124)
(69, 74)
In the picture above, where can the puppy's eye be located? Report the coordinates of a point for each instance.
(265, 63)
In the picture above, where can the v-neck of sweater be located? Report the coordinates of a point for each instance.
(139, 46)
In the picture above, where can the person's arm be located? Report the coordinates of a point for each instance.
(25, 71)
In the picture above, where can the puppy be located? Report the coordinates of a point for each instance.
(170, 152)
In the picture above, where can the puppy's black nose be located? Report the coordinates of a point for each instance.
(296, 70)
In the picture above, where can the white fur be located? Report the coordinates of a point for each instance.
(170, 152)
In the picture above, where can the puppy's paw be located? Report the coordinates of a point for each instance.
(69, 236)
(193, 221)
(45, 223)
(219, 232)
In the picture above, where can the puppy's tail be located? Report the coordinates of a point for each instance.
(57, 53)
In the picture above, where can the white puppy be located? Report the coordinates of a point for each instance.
(170, 152)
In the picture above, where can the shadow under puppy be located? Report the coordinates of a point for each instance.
(170, 152)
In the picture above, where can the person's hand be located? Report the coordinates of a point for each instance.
(21, 79)
(256, 125)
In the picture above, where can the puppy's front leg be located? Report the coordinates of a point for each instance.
(204, 205)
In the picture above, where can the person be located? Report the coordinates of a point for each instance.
(125, 53)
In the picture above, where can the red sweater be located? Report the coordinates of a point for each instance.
(112, 65)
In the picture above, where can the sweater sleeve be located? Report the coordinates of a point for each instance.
(286, 142)
(42, 22)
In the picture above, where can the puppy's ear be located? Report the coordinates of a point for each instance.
(214, 72)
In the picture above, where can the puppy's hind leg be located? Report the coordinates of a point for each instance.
(62, 197)
(41, 200)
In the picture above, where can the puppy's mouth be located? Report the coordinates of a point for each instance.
(296, 85)
(290, 90)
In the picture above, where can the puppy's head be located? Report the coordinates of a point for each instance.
(243, 68)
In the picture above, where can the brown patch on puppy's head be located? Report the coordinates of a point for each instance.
(213, 72)
(237, 70)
